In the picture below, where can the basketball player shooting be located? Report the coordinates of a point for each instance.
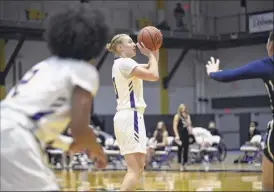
(129, 126)
(51, 94)
(259, 69)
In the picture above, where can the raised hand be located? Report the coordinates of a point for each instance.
(212, 65)
(145, 51)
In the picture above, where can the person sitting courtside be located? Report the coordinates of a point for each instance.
(159, 140)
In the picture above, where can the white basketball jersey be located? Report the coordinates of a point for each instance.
(129, 90)
(43, 95)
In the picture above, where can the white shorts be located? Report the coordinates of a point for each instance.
(22, 165)
(130, 132)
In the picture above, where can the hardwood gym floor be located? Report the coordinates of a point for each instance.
(70, 180)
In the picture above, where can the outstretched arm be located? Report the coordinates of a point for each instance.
(254, 70)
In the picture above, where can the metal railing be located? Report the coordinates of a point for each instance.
(124, 19)
(232, 23)
(15, 14)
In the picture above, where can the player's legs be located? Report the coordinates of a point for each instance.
(135, 167)
(268, 161)
(22, 166)
(130, 133)
(267, 174)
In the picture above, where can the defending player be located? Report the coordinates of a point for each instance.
(51, 94)
(260, 69)
(129, 127)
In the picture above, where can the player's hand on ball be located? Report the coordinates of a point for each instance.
(156, 54)
(212, 65)
(145, 51)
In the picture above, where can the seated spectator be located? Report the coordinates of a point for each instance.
(254, 139)
(158, 141)
(202, 136)
(213, 130)
(254, 135)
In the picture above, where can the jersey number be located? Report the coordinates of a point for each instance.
(26, 78)
(115, 88)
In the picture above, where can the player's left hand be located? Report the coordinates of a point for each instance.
(212, 65)
(145, 51)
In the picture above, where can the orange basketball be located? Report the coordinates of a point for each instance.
(151, 37)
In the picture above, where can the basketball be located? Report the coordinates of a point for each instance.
(151, 37)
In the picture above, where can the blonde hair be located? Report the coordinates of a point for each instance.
(180, 107)
(163, 125)
(116, 40)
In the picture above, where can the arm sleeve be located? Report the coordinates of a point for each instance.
(254, 70)
(86, 76)
(127, 66)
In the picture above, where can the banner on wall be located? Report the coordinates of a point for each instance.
(261, 22)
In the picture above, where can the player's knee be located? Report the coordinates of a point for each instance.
(135, 173)
(138, 171)
(141, 170)
(135, 169)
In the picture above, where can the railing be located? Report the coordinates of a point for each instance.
(20, 14)
(126, 20)
(231, 23)
(215, 26)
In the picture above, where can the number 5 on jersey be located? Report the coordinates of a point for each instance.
(115, 88)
